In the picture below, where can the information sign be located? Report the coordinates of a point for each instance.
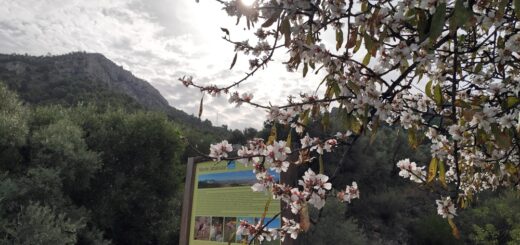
(220, 197)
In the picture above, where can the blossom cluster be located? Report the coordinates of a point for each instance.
(450, 81)
(411, 170)
(350, 192)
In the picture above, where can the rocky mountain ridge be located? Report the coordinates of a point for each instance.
(81, 77)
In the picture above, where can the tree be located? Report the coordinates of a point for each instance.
(135, 195)
(446, 71)
(44, 163)
(87, 174)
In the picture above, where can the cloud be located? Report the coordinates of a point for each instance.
(157, 40)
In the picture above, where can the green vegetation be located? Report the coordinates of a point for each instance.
(83, 164)
(392, 210)
(86, 175)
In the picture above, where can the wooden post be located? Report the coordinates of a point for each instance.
(187, 201)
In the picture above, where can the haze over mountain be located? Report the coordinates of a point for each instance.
(80, 77)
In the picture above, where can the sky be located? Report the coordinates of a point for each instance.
(158, 41)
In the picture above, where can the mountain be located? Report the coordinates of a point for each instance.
(80, 77)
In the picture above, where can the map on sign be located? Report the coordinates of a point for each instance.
(222, 197)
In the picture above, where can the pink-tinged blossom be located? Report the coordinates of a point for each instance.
(351, 192)
(484, 106)
(265, 182)
(343, 136)
(315, 187)
(330, 144)
(247, 97)
(296, 201)
(456, 132)
(235, 98)
(446, 208)
(298, 126)
(282, 192)
(507, 121)
(220, 150)
(187, 81)
(410, 170)
(312, 180)
(251, 230)
(243, 228)
(268, 235)
(277, 155)
(317, 199)
(289, 227)
(307, 141)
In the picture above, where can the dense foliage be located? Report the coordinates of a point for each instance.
(390, 211)
(87, 175)
(80, 78)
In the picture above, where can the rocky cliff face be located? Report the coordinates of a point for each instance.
(86, 78)
(76, 68)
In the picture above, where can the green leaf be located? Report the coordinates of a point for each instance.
(225, 30)
(478, 67)
(366, 60)
(272, 19)
(353, 124)
(502, 8)
(512, 102)
(501, 43)
(305, 69)
(412, 138)
(304, 118)
(369, 42)
(428, 89)
(404, 65)
(266, 209)
(437, 94)
(364, 6)
(438, 20)
(468, 114)
(460, 16)
(516, 5)
(339, 39)
(310, 39)
(353, 86)
(442, 174)
(234, 61)
(272, 135)
(502, 138)
(422, 24)
(201, 105)
(351, 42)
(358, 44)
(432, 169)
(336, 89)
(481, 137)
(454, 229)
(325, 121)
(511, 168)
(285, 28)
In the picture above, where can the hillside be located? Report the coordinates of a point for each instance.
(79, 78)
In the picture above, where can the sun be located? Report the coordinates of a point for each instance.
(248, 2)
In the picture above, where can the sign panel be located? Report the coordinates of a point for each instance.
(221, 198)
